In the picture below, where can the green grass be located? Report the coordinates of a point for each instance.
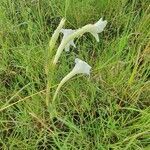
(108, 111)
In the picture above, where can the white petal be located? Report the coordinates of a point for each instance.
(66, 33)
(81, 67)
(96, 36)
(67, 48)
(100, 25)
(72, 43)
(77, 60)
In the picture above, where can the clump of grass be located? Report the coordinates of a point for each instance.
(108, 111)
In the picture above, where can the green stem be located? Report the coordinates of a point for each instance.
(49, 69)
(48, 91)
(50, 74)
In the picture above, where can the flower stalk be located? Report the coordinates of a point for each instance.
(49, 69)
(63, 81)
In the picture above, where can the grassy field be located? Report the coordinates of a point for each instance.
(110, 110)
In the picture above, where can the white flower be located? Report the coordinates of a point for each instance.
(80, 67)
(66, 33)
(98, 27)
(69, 36)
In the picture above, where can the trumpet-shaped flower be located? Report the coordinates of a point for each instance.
(98, 27)
(81, 67)
(66, 33)
(94, 29)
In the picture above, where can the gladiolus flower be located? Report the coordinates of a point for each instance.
(66, 33)
(98, 27)
(81, 67)
(94, 29)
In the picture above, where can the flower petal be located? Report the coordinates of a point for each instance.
(81, 67)
(96, 36)
(100, 25)
(68, 32)
(72, 44)
(67, 48)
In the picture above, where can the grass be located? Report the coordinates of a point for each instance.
(110, 110)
